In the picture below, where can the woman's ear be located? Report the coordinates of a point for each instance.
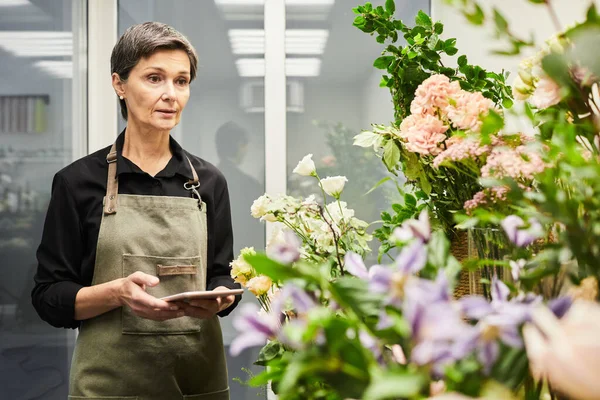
(118, 85)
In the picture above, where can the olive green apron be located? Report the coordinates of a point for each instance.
(119, 355)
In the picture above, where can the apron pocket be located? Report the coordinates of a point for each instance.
(176, 274)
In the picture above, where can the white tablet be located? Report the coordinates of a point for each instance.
(203, 294)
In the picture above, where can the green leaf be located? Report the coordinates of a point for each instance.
(449, 43)
(410, 200)
(412, 167)
(438, 28)
(390, 6)
(438, 249)
(451, 51)
(383, 62)
(476, 17)
(557, 68)
(367, 139)
(381, 182)
(424, 181)
(394, 384)
(391, 154)
(359, 21)
(270, 351)
(500, 21)
(423, 19)
(353, 292)
(380, 39)
(462, 61)
(507, 103)
(592, 14)
(274, 270)
(492, 123)
(412, 54)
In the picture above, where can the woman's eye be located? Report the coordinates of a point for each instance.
(182, 82)
(153, 78)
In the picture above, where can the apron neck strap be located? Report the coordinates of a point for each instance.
(112, 183)
(194, 173)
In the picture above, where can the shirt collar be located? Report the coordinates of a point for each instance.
(178, 164)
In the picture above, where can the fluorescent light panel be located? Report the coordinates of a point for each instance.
(297, 41)
(298, 67)
(295, 9)
(14, 3)
(37, 43)
(59, 69)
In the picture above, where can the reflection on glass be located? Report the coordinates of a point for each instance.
(37, 138)
(335, 95)
(223, 122)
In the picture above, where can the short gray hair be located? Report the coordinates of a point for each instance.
(141, 41)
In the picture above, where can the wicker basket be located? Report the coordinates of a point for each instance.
(478, 243)
(468, 282)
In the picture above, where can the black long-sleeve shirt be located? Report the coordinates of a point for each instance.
(67, 252)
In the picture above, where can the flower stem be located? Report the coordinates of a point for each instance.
(553, 15)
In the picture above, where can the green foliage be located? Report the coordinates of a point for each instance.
(409, 65)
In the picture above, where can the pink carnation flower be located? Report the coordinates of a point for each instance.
(459, 148)
(486, 197)
(518, 163)
(424, 134)
(469, 108)
(433, 93)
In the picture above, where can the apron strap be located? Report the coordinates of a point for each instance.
(194, 173)
(112, 184)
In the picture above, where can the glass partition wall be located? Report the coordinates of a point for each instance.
(42, 129)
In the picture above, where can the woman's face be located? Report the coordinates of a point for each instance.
(157, 90)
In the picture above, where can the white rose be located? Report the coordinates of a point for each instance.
(334, 185)
(259, 285)
(343, 215)
(259, 207)
(306, 166)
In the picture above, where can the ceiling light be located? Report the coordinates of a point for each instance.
(299, 67)
(302, 67)
(250, 67)
(297, 41)
(58, 69)
(37, 43)
(14, 3)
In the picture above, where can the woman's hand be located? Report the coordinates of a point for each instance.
(207, 308)
(132, 293)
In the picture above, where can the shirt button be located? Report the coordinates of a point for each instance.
(156, 183)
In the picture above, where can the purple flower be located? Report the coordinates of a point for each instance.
(288, 251)
(254, 328)
(370, 343)
(435, 329)
(414, 229)
(518, 233)
(301, 301)
(354, 265)
(485, 337)
(560, 306)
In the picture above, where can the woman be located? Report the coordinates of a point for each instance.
(132, 223)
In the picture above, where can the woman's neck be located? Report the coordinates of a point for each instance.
(147, 149)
